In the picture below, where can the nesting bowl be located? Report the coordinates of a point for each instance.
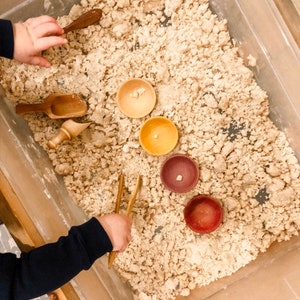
(136, 98)
(179, 173)
(158, 136)
(203, 214)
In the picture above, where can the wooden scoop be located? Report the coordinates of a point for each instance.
(89, 18)
(56, 106)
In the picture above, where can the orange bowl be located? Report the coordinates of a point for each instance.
(158, 136)
(203, 214)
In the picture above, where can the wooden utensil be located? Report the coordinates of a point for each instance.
(68, 130)
(119, 195)
(113, 254)
(89, 18)
(56, 106)
(133, 197)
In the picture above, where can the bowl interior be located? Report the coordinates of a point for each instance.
(179, 173)
(203, 214)
(158, 136)
(136, 98)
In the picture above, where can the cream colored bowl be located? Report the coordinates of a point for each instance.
(136, 98)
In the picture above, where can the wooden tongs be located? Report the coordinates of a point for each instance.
(113, 254)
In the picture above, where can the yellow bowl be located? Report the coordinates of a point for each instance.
(136, 98)
(158, 136)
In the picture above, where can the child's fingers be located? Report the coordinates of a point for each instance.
(43, 26)
(39, 61)
(45, 43)
(34, 22)
(46, 29)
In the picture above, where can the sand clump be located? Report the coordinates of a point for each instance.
(222, 116)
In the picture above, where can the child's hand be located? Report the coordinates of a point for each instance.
(35, 35)
(118, 229)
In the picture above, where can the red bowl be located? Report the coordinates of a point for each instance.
(203, 214)
(179, 173)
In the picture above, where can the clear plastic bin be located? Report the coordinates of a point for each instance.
(259, 30)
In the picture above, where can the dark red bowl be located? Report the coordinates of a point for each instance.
(179, 173)
(203, 214)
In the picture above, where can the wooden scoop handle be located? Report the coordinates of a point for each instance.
(85, 20)
(22, 109)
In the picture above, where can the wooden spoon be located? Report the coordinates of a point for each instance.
(85, 20)
(56, 106)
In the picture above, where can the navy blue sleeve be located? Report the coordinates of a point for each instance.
(47, 268)
(6, 39)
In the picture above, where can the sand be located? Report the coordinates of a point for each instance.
(222, 116)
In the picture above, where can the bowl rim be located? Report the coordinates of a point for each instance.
(151, 88)
(151, 119)
(212, 199)
(193, 163)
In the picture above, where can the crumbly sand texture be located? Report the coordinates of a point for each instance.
(222, 116)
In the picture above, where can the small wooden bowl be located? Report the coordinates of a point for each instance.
(203, 214)
(158, 136)
(179, 173)
(136, 98)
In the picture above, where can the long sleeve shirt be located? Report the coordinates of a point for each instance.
(6, 39)
(48, 267)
